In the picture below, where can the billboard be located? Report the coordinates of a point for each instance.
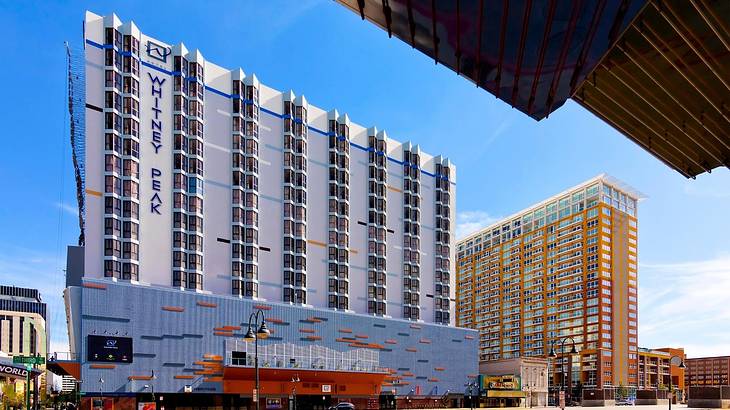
(109, 349)
(506, 382)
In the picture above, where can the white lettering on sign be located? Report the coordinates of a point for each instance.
(156, 128)
(13, 371)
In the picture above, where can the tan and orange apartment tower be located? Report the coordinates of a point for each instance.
(659, 368)
(563, 268)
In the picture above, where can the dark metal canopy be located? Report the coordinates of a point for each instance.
(655, 70)
(532, 54)
(666, 84)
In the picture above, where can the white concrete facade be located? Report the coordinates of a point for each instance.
(533, 374)
(252, 172)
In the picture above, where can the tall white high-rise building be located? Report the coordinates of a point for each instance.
(200, 177)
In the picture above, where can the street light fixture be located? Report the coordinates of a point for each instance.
(151, 386)
(552, 355)
(681, 366)
(101, 394)
(295, 380)
(262, 333)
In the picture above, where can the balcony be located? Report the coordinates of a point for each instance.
(291, 356)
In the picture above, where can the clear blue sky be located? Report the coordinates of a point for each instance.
(505, 160)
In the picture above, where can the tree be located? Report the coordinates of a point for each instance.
(622, 391)
(10, 395)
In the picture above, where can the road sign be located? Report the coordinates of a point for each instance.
(31, 360)
(255, 395)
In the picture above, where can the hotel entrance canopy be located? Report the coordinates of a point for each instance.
(656, 70)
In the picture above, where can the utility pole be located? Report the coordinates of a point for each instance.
(28, 369)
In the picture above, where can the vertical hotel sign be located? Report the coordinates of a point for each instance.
(157, 85)
(156, 111)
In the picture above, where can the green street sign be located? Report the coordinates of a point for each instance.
(29, 360)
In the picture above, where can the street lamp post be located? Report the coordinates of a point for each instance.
(101, 394)
(151, 386)
(295, 380)
(681, 366)
(262, 333)
(470, 389)
(562, 356)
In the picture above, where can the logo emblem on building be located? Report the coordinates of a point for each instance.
(157, 51)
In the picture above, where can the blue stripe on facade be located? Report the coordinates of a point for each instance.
(216, 183)
(264, 110)
(215, 91)
(317, 130)
(267, 111)
(154, 67)
(270, 198)
(97, 45)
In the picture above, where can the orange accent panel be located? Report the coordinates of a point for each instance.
(103, 366)
(277, 382)
(313, 337)
(177, 309)
(433, 379)
(223, 334)
(408, 374)
(411, 349)
(392, 188)
(262, 307)
(94, 193)
(415, 326)
(341, 340)
(366, 345)
(274, 320)
(183, 376)
(362, 336)
(92, 285)
(439, 369)
(210, 372)
(314, 319)
(211, 356)
(354, 252)
(425, 341)
(345, 330)
(318, 243)
(306, 330)
(206, 304)
(469, 337)
(139, 377)
(391, 341)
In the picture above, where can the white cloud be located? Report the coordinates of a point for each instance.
(69, 209)
(468, 222)
(686, 304)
